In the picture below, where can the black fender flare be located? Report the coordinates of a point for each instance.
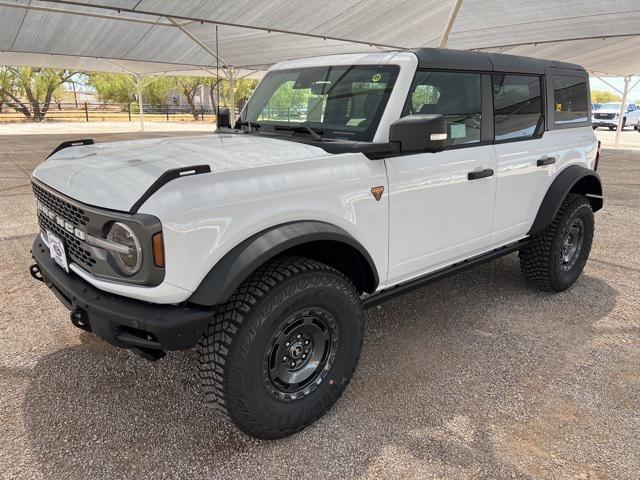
(228, 273)
(574, 178)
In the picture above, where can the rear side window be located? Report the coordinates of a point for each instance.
(570, 99)
(517, 106)
(456, 96)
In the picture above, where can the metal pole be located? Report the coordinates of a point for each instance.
(139, 88)
(452, 18)
(232, 96)
(623, 109)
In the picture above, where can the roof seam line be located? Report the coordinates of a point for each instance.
(544, 21)
(20, 27)
(336, 16)
(142, 37)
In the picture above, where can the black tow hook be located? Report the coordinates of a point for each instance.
(79, 319)
(35, 272)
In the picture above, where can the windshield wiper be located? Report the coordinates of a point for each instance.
(315, 133)
(249, 124)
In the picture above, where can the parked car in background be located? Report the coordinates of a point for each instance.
(609, 113)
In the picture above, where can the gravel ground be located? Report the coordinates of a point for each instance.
(476, 376)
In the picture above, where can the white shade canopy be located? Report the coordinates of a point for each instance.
(179, 37)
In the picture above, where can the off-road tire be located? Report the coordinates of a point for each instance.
(233, 353)
(541, 260)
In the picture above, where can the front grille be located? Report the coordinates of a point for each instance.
(604, 116)
(69, 212)
(76, 249)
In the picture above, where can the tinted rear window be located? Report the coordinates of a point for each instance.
(517, 105)
(570, 99)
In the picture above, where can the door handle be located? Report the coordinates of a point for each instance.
(546, 161)
(487, 172)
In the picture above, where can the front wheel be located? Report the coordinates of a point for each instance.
(554, 259)
(281, 351)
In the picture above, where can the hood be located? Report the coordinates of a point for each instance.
(607, 110)
(115, 175)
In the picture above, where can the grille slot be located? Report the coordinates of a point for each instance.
(604, 116)
(69, 212)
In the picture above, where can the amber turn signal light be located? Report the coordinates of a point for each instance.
(158, 250)
(377, 192)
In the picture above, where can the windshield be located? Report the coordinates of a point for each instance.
(610, 106)
(339, 102)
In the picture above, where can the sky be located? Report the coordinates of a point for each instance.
(618, 82)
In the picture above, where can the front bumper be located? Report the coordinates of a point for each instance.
(124, 322)
(604, 123)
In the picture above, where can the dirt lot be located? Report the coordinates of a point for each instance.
(475, 376)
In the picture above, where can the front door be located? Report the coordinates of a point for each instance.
(441, 204)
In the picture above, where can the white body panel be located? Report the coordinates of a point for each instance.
(522, 185)
(429, 216)
(115, 175)
(437, 215)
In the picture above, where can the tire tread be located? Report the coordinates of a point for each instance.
(215, 345)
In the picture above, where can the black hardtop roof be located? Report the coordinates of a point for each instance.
(493, 62)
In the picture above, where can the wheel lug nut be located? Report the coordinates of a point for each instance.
(306, 342)
(287, 344)
(299, 336)
(293, 364)
(304, 355)
(284, 359)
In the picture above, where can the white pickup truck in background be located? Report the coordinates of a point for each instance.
(609, 113)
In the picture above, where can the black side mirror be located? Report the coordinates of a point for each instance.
(419, 133)
(224, 118)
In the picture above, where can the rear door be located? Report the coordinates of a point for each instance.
(438, 212)
(525, 153)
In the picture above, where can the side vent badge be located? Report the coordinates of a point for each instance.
(377, 192)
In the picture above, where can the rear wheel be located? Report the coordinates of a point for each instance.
(554, 259)
(281, 351)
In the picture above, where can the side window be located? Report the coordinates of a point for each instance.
(456, 96)
(570, 99)
(517, 106)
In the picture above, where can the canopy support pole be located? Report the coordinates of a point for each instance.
(623, 105)
(610, 85)
(445, 35)
(139, 89)
(232, 96)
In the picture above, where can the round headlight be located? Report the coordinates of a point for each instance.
(130, 263)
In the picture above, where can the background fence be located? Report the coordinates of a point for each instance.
(105, 112)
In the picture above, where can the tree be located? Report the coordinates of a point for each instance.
(38, 86)
(188, 86)
(213, 88)
(6, 84)
(121, 88)
(604, 96)
(155, 90)
(243, 90)
(113, 87)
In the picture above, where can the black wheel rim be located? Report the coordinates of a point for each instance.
(300, 353)
(572, 244)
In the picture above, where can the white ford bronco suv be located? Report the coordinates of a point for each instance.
(347, 179)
